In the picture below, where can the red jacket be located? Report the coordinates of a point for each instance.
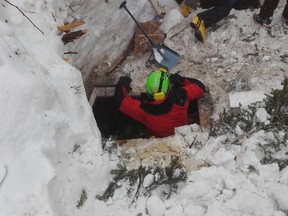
(175, 110)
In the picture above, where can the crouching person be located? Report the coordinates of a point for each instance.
(216, 11)
(165, 104)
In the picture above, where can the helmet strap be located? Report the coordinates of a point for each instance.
(160, 95)
(163, 69)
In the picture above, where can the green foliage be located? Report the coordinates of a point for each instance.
(120, 174)
(276, 106)
(244, 118)
(169, 177)
(83, 198)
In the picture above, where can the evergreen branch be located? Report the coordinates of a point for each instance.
(83, 198)
(109, 192)
(169, 176)
(120, 174)
(140, 182)
(276, 106)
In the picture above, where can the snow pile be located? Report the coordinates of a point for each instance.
(44, 117)
(245, 98)
(172, 18)
(52, 161)
(231, 175)
(110, 30)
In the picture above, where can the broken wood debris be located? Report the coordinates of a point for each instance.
(71, 36)
(205, 110)
(71, 25)
(70, 52)
(141, 43)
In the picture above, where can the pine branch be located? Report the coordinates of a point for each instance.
(83, 198)
(24, 15)
(141, 177)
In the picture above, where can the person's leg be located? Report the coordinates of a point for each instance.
(266, 12)
(285, 15)
(246, 4)
(268, 8)
(217, 13)
(285, 12)
(207, 18)
(211, 16)
(207, 3)
(214, 15)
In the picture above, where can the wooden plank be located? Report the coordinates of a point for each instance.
(205, 110)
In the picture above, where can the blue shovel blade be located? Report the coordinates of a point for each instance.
(169, 58)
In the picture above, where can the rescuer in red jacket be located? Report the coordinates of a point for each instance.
(162, 107)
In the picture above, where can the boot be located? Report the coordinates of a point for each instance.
(263, 21)
(199, 26)
(185, 10)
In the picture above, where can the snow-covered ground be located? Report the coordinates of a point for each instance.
(51, 150)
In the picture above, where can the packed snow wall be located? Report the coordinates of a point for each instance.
(110, 31)
(51, 146)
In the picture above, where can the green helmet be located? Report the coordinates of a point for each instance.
(157, 84)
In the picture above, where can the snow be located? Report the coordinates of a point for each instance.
(51, 147)
(155, 206)
(245, 98)
(172, 18)
(262, 116)
(148, 180)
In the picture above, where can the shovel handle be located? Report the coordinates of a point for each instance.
(123, 5)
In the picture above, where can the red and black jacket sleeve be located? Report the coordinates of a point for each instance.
(127, 104)
(195, 88)
(119, 94)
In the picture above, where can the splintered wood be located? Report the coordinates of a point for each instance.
(71, 36)
(205, 110)
(141, 43)
(71, 25)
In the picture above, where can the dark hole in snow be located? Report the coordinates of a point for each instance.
(113, 123)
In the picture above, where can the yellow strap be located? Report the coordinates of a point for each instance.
(159, 96)
(163, 70)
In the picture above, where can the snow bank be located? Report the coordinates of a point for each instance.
(48, 132)
(110, 30)
(51, 151)
(245, 98)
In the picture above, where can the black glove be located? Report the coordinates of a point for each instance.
(176, 79)
(119, 95)
(125, 81)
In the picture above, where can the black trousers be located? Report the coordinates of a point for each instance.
(216, 12)
(269, 6)
(214, 15)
